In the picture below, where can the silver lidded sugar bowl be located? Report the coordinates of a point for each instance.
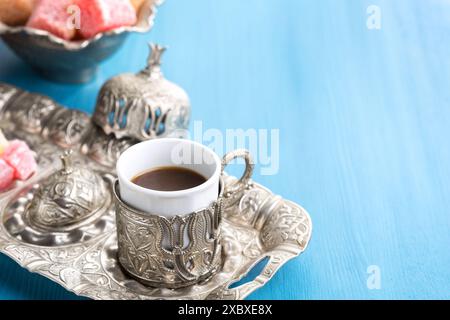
(143, 106)
(70, 198)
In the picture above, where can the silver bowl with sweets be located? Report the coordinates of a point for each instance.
(75, 60)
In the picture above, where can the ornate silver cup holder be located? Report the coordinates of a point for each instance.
(257, 225)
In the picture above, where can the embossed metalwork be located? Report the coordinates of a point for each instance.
(89, 267)
(68, 128)
(27, 112)
(171, 252)
(30, 112)
(7, 92)
(236, 190)
(68, 198)
(72, 61)
(179, 251)
(104, 149)
(142, 106)
(256, 225)
(18, 226)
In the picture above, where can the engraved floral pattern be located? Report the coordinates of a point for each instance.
(6, 93)
(153, 249)
(289, 224)
(68, 128)
(104, 149)
(67, 201)
(30, 111)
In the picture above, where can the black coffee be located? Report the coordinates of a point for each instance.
(169, 179)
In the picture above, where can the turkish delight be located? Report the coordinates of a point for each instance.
(19, 157)
(54, 17)
(104, 15)
(6, 175)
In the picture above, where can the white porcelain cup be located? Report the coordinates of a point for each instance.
(153, 154)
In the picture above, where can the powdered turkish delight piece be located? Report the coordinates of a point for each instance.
(15, 147)
(104, 15)
(54, 17)
(6, 175)
(15, 12)
(20, 158)
(25, 167)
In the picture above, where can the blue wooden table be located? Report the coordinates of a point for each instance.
(364, 120)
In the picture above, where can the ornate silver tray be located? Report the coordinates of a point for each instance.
(258, 225)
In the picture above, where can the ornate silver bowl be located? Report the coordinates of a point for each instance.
(72, 61)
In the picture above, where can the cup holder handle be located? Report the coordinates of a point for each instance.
(240, 185)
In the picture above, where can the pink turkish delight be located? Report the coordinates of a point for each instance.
(54, 17)
(6, 175)
(15, 147)
(104, 15)
(20, 158)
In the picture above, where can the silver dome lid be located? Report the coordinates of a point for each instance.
(68, 198)
(143, 106)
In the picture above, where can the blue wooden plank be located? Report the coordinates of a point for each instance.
(363, 118)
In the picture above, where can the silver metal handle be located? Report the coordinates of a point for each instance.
(241, 292)
(243, 182)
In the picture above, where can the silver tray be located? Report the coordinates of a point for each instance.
(258, 225)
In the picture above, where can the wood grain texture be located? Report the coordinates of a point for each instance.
(364, 124)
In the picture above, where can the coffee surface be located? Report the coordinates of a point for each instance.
(169, 179)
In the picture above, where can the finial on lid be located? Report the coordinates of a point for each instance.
(144, 105)
(154, 59)
(66, 159)
(156, 52)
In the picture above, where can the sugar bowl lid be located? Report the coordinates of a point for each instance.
(68, 199)
(143, 105)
